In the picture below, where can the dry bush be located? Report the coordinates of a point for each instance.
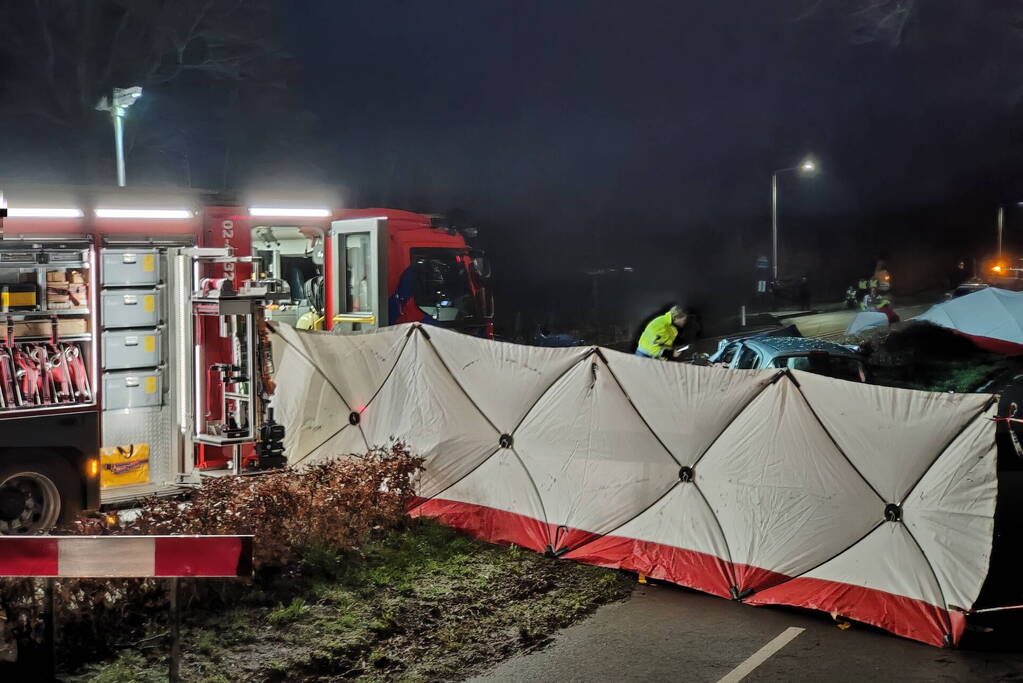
(335, 505)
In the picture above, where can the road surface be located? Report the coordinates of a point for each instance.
(664, 633)
(828, 324)
(833, 324)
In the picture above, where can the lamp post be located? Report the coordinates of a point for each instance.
(595, 274)
(806, 167)
(121, 99)
(1001, 225)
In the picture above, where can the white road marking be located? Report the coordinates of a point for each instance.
(762, 655)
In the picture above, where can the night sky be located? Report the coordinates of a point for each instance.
(579, 135)
(590, 134)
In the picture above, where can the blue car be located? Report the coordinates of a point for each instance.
(763, 352)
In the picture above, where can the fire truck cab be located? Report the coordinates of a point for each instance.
(134, 357)
(383, 267)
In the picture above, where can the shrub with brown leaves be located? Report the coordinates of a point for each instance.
(335, 505)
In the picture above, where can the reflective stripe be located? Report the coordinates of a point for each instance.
(126, 556)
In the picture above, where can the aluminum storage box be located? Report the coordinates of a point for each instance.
(132, 389)
(132, 267)
(123, 349)
(131, 307)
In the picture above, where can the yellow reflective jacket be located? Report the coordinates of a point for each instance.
(659, 336)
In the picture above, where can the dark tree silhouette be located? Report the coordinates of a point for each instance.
(211, 71)
(868, 21)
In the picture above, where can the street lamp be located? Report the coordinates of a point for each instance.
(595, 274)
(1001, 226)
(118, 104)
(806, 167)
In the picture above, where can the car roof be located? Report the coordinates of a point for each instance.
(776, 346)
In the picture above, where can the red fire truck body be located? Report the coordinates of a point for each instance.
(172, 288)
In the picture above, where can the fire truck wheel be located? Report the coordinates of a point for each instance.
(30, 496)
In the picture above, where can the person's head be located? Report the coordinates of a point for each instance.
(678, 316)
(873, 291)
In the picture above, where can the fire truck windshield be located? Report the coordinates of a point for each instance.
(445, 288)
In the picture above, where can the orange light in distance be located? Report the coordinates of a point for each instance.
(997, 269)
(92, 467)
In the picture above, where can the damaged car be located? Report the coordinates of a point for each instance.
(762, 352)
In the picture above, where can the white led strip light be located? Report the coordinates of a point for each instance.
(144, 213)
(43, 212)
(279, 211)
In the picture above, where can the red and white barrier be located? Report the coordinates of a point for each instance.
(126, 556)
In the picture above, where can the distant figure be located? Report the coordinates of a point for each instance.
(804, 293)
(958, 275)
(873, 300)
(882, 279)
(876, 301)
(851, 297)
(659, 335)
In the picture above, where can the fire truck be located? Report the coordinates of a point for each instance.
(134, 352)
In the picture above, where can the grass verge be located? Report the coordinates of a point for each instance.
(421, 603)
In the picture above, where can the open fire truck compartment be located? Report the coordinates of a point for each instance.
(134, 357)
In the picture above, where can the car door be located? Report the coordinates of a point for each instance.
(726, 358)
(747, 359)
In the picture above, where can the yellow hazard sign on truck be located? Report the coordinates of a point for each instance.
(124, 465)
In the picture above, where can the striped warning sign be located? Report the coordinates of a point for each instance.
(126, 556)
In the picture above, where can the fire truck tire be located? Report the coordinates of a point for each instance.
(35, 496)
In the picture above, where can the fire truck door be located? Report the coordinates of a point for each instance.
(356, 274)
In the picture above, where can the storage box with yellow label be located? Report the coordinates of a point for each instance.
(132, 389)
(124, 465)
(132, 307)
(131, 267)
(123, 349)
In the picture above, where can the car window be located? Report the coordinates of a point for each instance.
(748, 359)
(793, 362)
(729, 354)
(848, 368)
(839, 367)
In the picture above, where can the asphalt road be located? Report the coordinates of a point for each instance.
(664, 633)
(832, 324)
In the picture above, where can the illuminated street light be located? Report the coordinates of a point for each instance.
(118, 105)
(806, 167)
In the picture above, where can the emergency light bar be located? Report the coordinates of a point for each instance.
(297, 213)
(144, 213)
(39, 212)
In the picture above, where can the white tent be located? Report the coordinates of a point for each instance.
(771, 487)
(991, 317)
